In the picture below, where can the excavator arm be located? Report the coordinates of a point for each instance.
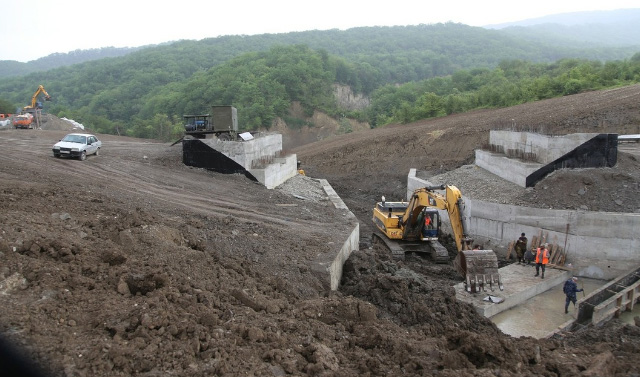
(34, 99)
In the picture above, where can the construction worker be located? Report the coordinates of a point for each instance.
(521, 246)
(570, 289)
(542, 259)
(529, 256)
(427, 222)
(428, 230)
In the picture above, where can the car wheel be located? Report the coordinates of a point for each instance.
(97, 152)
(83, 156)
(56, 155)
(224, 137)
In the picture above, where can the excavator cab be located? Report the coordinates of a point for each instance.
(431, 224)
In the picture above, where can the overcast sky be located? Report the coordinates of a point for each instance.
(33, 29)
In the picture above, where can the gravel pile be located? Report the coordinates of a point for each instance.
(477, 183)
(303, 187)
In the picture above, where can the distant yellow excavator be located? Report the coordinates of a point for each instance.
(415, 226)
(34, 100)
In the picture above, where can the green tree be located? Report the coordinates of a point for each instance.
(6, 107)
(429, 105)
(572, 86)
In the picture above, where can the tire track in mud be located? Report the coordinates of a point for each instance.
(123, 170)
(189, 194)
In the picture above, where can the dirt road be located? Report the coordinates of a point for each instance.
(132, 264)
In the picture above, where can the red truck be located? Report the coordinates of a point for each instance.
(23, 121)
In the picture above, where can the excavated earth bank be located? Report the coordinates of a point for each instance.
(132, 264)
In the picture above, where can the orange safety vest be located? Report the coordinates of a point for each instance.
(427, 221)
(545, 256)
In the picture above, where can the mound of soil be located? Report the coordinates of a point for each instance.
(132, 264)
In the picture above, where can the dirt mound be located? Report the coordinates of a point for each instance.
(131, 263)
(53, 123)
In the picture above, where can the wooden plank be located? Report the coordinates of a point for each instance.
(539, 238)
(544, 238)
(510, 249)
(534, 242)
(561, 257)
(555, 253)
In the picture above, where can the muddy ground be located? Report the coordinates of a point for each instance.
(132, 264)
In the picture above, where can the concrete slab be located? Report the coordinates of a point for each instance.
(519, 286)
(352, 243)
(543, 316)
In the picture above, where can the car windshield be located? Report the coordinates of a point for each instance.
(75, 139)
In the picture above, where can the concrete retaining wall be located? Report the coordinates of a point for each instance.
(512, 170)
(334, 264)
(276, 173)
(600, 245)
(246, 152)
(241, 157)
(599, 152)
(546, 148)
(551, 153)
(335, 268)
(201, 155)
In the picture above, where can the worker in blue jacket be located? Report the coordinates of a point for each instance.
(570, 289)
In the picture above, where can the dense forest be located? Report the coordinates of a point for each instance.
(408, 73)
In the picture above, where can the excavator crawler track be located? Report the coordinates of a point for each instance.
(438, 253)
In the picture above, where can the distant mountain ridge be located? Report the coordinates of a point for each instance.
(613, 28)
(10, 68)
(617, 28)
(607, 17)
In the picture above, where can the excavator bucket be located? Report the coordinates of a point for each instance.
(480, 269)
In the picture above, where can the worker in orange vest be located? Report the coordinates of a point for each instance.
(542, 259)
(427, 222)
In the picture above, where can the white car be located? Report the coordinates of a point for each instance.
(77, 145)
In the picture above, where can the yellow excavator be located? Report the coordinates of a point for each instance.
(34, 100)
(414, 226)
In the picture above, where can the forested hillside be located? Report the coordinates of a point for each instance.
(409, 73)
